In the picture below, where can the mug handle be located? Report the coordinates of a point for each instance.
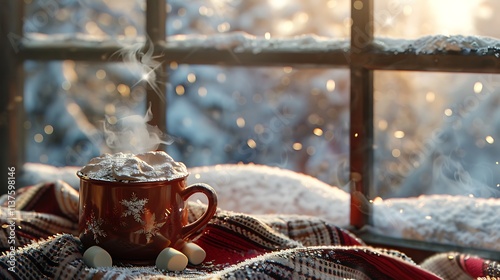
(209, 192)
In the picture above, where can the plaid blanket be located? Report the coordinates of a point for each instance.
(238, 246)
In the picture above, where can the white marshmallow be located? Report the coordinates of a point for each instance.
(96, 256)
(194, 253)
(171, 260)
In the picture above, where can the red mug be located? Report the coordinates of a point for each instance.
(135, 221)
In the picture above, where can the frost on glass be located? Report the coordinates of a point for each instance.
(436, 133)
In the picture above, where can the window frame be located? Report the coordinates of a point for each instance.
(360, 59)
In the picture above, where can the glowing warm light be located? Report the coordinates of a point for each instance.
(331, 4)
(378, 200)
(287, 69)
(407, 10)
(123, 89)
(318, 131)
(478, 87)
(490, 139)
(314, 119)
(38, 138)
(180, 90)
(430, 96)
(110, 109)
(173, 65)
(301, 18)
(112, 120)
(297, 146)
(448, 112)
(48, 129)
(284, 26)
(130, 31)
(145, 77)
(330, 85)
(240, 122)
(100, 74)
(202, 91)
(223, 27)
(182, 12)
(251, 143)
(356, 134)
(399, 134)
(428, 217)
(396, 153)
(278, 4)
(456, 22)
(267, 35)
(358, 5)
(92, 28)
(382, 124)
(191, 77)
(485, 11)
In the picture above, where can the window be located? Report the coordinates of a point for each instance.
(356, 48)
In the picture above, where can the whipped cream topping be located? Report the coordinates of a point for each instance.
(145, 167)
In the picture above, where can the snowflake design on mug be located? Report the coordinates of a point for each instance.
(150, 227)
(94, 226)
(135, 207)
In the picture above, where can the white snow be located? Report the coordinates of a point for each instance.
(241, 41)
(259, 189)
(458, 220)
(437, 43)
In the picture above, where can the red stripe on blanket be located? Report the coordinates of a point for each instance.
(226, 248)
(394, 268)
(42, 201)
(474, 266)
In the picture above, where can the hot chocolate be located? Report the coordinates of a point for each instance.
(128, 167)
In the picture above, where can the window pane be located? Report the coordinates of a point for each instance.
(412, 19)
(273, 18)
(98, 19)
(437, 157)
(287, 117)
(67, 104)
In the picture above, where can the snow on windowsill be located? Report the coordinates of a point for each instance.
(242, 42)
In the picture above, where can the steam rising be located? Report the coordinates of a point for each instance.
(139, 59)
(133, 134)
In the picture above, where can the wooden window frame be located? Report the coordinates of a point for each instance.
(360, 59)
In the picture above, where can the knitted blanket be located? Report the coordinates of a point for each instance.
(38, 241)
